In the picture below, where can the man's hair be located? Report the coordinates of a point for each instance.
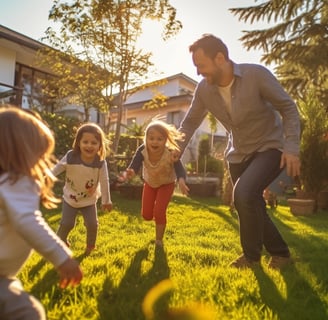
(211, 46)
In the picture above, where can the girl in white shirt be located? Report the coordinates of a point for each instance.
(86, 180)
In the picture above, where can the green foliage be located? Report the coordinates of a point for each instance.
(75, 81)
(135, 181)
(206, 162)
(213, 166)
(314, 144)
(159, 100)
(296, 41)
(204, 147)
(101, 38)
(64, 129)
(128, 144)
(201, 240)
(213, 122)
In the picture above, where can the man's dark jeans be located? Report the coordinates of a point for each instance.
(250, 178)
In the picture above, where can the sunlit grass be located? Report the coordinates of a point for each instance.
(200, 241)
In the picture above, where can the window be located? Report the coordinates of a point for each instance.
(130, 122)
(32, 81)
(174, 118)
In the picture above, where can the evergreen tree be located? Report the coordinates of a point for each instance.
(297, 43)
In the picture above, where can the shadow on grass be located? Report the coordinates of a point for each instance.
(49, 282)
(125, 301)
(126, 206)
(36, 269)
(302, 279)
(211, 205)
(286, 308)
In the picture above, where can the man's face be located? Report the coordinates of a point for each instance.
(206, 67)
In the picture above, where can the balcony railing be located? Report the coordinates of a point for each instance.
(10, 94)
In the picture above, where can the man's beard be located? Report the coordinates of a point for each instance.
(214, 78)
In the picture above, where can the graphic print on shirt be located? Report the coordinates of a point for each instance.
(90, 188)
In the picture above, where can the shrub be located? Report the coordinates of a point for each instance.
(314, 144)
(64, 129)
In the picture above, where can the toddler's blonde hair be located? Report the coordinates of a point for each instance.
(169, 131)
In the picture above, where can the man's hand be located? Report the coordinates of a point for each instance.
(292, 164)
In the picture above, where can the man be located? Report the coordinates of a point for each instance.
(263, 126)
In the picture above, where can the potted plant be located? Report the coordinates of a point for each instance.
(131, 188)
(209, 171)
(313, 155)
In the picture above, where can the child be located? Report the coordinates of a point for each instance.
(160, 172)
(26, 145)
(86, 180)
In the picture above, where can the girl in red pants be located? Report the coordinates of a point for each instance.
(160, 172)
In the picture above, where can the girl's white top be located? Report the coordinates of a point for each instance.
(84, 183)
(22, 227)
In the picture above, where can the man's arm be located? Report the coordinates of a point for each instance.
(192, 120)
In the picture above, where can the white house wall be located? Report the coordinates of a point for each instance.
(169, 89)
(7, 66)
(174, 86)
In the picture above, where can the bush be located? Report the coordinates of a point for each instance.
(213, 166)
(314, 144)
(64, 129)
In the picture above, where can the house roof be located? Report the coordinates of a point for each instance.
(181, 75)
(20, 39)
(24, 47)
(176, 99)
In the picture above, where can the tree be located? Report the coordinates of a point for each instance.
(101, 36)
(297, 43)
(213, 126)
(314, 144)
(74, 82)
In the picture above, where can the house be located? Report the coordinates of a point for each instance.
(20, 77)
(20, 85)
(175, 94)
(18, 80)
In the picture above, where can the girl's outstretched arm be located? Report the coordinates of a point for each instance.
(183, 186)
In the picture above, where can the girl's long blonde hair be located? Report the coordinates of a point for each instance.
(26, 147)
(168, 131)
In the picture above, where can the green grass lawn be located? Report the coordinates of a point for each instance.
(200, 242)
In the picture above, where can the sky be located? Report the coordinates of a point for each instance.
(170, 57)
